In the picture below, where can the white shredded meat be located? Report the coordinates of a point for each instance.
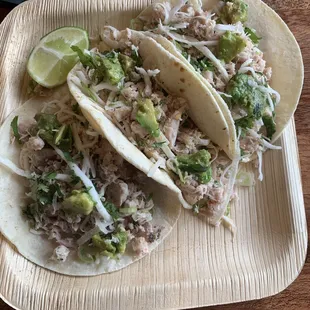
(117, 193)
(60, 253)
(140, 246)
(92, 167)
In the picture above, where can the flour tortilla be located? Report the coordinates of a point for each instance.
(175, 78)
(38, 249)
(281, 51)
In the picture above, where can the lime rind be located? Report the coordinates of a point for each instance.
(52, 59)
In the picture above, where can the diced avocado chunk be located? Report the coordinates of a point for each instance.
(128, 64)
(197, 164)
(234, 11)
(109, 247)
(87, 254)
(122, 243)
(146, 116)
(244, 92)
(105, 67)
(206, 176)
(230, 45)
(113, 68)
(79, 202)
(103, 244)
(47, 124)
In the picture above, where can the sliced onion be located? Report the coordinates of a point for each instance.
(260, 165)
(104, 85)
(270, 146)
(88, 235)
(9, 164)
(184, 203)
(36, 232)
(175, 9)
(263, 141)
(184, 39)
(271, 91)
(154, 168)
(166, 149)
(217, 63)
(246, 69)
(147, 81)
(229, 223)
(224, 94)
(88, 184)
(105, 227)
(82, 77)
(180, 25)
(246, 63)
(222, 27)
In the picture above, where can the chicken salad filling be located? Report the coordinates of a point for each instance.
(81, 194)
(157, 123)
(221, 48)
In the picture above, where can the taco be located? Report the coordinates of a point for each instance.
(151, 109)
(220, 42)
(69, 201)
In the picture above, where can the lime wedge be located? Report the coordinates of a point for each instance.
(51, 60)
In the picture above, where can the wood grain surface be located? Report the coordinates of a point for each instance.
(296, 14)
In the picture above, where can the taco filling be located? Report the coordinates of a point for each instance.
(81, 194)
(220, 47)
(156, 122)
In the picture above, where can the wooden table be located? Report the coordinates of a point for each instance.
(297, 296)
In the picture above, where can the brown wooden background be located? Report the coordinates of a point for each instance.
(296, 13)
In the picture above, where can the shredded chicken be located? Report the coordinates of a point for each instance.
(116, 39)
(192, 192)
(202, 28)
(35, 144)
(117, 193)
(122, 113)
(171, 127)
(24, 126)
(157, 123)
(138, 130)
(60, 253)
(130, 92)
(140, 246)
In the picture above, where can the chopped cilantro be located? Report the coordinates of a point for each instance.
(157, 145)
(112, 210)
(252, 35)
(14, 126)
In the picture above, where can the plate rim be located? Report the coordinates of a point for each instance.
(3, 26)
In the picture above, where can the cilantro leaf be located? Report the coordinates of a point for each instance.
(87, 91)
(107, 67)
(14, 126)
(68, 156)
(85, 59)
(47, 124)
(252, 35)
(76, 109)
(51, 175)
(112, 210)
(63, 138)
(157, 145)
